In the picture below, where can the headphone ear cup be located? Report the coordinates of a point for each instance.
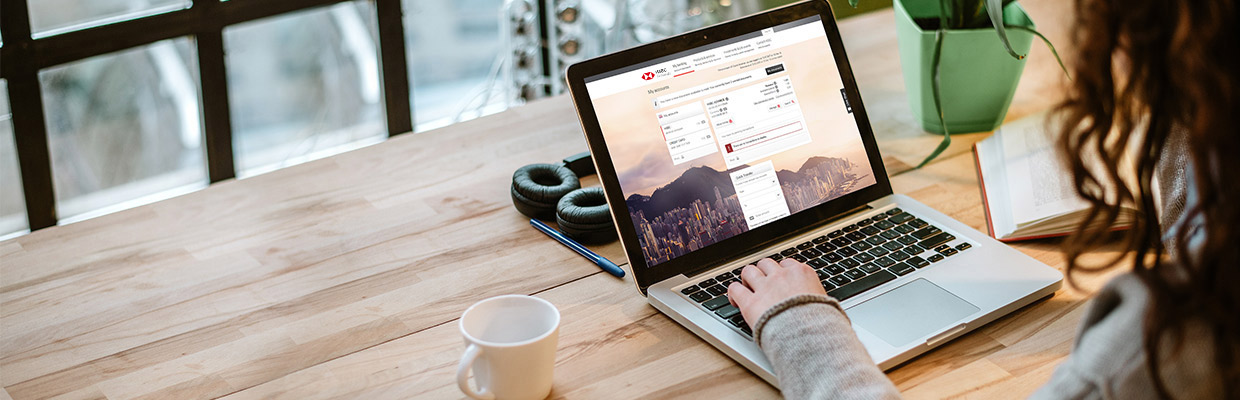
(591, 236)
(531, 208)
(538, 188)
(583, 215)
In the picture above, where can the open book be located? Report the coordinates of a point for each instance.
(1026, 190)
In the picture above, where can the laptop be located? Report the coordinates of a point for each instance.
(748, 139)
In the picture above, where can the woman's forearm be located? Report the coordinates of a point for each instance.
(816, 355)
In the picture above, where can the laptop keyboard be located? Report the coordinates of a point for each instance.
(849, 261)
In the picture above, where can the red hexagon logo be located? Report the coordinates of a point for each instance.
(648, 76)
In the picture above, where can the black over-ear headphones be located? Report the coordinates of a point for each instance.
(547, 191)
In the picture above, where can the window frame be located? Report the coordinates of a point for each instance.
(204, 22)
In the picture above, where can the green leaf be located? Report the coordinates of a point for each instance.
(944, 18)
(938, 102)
(995, 9)
(1048, 44)
(974, 15)
(853, 3)
(970, 14)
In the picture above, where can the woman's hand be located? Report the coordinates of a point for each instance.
(768, 283)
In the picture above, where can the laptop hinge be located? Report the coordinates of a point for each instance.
(716, 263)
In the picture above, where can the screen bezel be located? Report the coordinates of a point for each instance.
(746, 242)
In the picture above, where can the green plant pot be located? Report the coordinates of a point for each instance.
(977, 76)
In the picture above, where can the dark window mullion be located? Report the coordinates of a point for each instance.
(110, 38)
(213, 78)
(33, 156)
(103, 39)
(394, 67)
(217, 122)
(29, 122)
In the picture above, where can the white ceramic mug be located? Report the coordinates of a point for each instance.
(510, 345)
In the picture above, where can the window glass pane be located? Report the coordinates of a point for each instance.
(453, 48)
(12, 202)
(124, 128)
(49, 17)
(580, 29)
(620, 24)
(303, 86)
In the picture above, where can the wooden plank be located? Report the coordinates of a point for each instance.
(967, 377)
(614, 345)
(360, 248)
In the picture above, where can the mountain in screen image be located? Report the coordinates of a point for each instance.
(700, 207)
(820, 179)
(698, 183)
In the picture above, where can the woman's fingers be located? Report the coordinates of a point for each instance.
(766, 284)
(768, 266)
(738, 294)
(751, 274)
(796, 267)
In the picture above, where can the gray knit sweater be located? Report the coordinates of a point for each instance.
(815, 354)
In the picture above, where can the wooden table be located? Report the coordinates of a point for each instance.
(343, 277)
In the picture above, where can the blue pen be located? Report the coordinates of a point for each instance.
(603, 263)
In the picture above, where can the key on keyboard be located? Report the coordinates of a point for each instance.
(869, 282)
(716, 303)
(933, 241)
(901, 269)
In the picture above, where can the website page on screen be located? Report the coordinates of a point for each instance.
(712, 142)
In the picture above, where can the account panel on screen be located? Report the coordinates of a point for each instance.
(687, 132)
(760, 195)
(757, 121)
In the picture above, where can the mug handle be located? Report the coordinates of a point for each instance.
(462, 374)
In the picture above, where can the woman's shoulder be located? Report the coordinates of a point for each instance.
(1109, 352)
(1109, 335)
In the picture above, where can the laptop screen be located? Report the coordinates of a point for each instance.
(720, 139)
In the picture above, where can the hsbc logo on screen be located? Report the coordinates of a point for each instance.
(648, 76)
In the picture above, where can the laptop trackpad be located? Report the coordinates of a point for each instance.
(910, 312)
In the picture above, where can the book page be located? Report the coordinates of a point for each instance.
(1038, 185)
(993, 178)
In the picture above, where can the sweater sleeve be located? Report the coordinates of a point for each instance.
(815, 353)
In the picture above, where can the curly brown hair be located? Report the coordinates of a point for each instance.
(1147, 72)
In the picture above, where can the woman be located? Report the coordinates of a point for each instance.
(1159, 76)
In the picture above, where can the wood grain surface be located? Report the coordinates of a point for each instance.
(343, 277)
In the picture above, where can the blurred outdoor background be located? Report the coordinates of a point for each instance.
(125, 128)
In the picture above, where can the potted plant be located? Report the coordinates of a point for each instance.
(962, 61)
